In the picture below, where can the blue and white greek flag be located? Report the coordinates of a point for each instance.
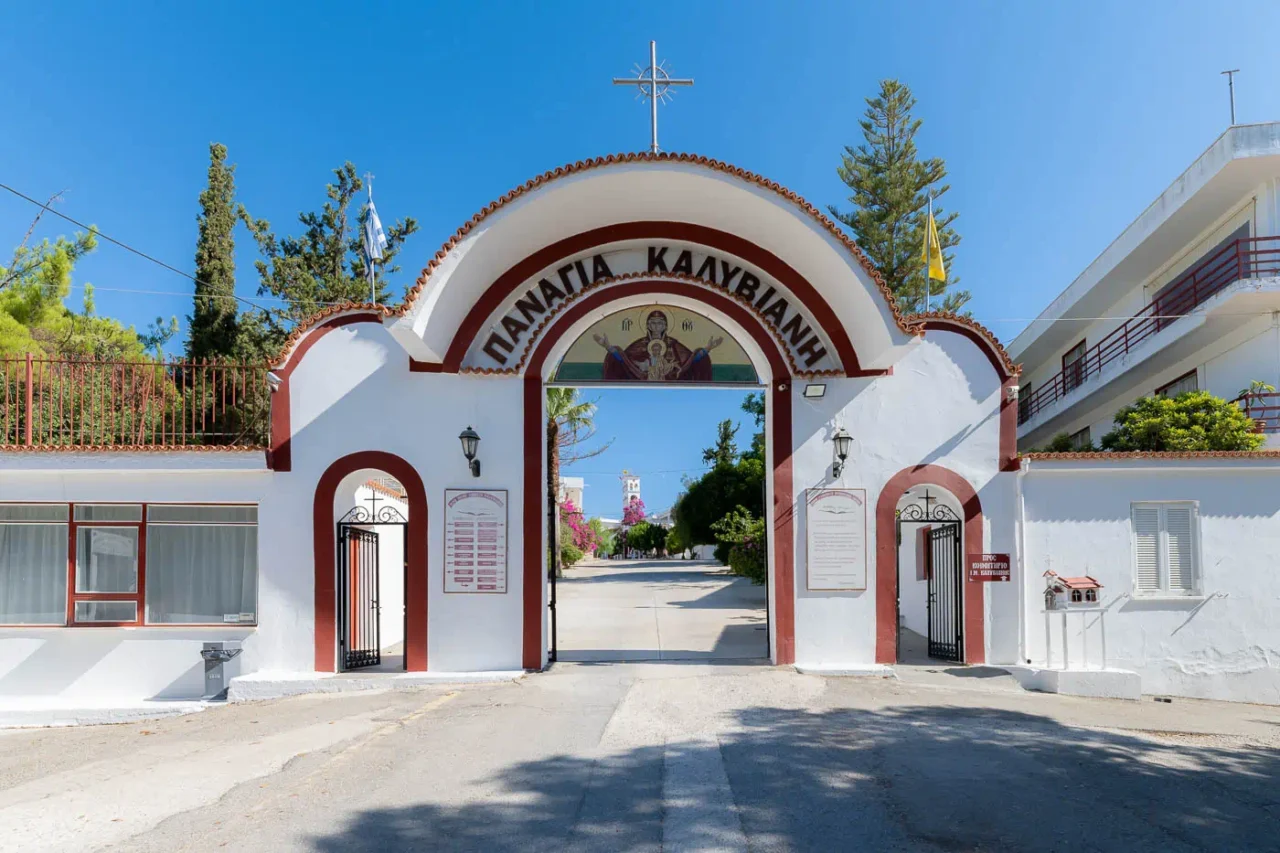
(374, 240)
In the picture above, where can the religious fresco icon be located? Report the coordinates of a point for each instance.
(701, 352)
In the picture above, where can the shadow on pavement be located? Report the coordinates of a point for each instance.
(907, 778)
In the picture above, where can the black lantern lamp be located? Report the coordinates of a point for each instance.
(842, 440)
(470, 441)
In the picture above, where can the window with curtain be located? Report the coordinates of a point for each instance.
(202, 564)
(33, 564)
(1165, 549)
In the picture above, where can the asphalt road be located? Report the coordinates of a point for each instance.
(667, 756)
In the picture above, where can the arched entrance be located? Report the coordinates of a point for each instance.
(887, 580)
(325, 545)
(778, 408)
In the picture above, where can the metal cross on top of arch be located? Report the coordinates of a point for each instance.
(654, 84)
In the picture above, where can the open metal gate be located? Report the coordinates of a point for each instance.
(945, 575)
(946, 629)
(359, 613)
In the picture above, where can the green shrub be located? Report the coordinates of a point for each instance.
(743, 544)
(570, 554)
(1195, 420)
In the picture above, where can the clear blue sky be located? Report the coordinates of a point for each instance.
(1059, 122)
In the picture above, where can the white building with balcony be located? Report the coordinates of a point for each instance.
(1186, 298)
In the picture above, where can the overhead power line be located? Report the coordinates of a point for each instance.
(116, 242)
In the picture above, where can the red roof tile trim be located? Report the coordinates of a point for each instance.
(647, 276)
(595, 163)
(1120, 456)
(300, 331)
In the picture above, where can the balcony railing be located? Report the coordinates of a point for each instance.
(1263, 407)
(1250, 257)
(51, 403)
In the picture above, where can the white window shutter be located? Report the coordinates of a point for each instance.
(1181, 560)
(1146, 549)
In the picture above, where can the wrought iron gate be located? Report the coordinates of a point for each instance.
(945, 575)
(358, 597)
(359, 623)
(946, 630)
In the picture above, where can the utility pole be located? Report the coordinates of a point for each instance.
(1231, 89)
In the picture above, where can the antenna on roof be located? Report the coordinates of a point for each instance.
(1231, 89)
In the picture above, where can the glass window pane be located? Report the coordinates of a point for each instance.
(33, 512)
(201, 574)
(106, 611)
(33, 574)
(202, 514)
(107, 559)
(108, 512)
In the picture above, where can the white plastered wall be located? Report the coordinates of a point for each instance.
(1221, 644)
(939, 407)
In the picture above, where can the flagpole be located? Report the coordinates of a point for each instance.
(928, 258)
(373, 272)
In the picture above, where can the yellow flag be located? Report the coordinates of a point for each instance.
(931, 256)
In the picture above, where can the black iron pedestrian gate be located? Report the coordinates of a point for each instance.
(945, 577)
(944, 573)
(358, 597)
(359, 629)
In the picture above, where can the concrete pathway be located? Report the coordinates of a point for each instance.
(655, 757)
(673, 610)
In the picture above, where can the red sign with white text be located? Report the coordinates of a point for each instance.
(989, 567)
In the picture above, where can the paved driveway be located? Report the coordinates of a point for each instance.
(650, 757)
(640, 610)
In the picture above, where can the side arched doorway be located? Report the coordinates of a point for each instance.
(778, 406)
(973, 628)
(324, 543)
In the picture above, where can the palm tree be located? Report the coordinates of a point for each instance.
(570, 424)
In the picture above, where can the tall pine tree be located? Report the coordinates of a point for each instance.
(214, 323)
(890, 187)
(323, 266)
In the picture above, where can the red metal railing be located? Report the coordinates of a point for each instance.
(66, 403)
(1263, 407)
(1250, 257)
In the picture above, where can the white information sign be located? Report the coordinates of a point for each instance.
(475, 540)
(836, 538)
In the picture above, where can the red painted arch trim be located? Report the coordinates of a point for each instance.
(324, 544)
(887, 560)
(534, 582)
(995, 354)
(764, 260)
(280, 457)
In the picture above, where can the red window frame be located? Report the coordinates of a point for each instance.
(1075, 367)
(139, 596)
(1163, 390)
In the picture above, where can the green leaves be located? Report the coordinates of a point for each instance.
(890, 192)
(325, 264)
(1196, 420)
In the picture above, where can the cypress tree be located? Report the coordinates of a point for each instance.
(890, 194)
(214, 325)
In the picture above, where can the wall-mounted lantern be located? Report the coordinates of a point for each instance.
(470, 441)
(841, 440)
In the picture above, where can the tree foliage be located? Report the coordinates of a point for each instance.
(605, 537)
(1195, 420)
(34, 317)
(714, 495)
(890, 186)
(754, 406)
(326, 263)
(214, 321)
(633, 513)
(725, 450)
(744, 534)
(647, 537)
